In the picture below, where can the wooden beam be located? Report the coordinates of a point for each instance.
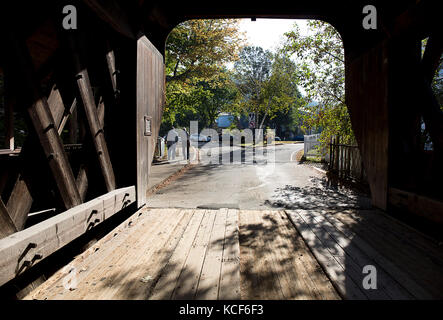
(82, 181)
(429, 208)
(110, 12)
(113, 72)
(96, 129)
(41, 117)
(367, 101)
(56, 105)
(6, 225)
(66, 116)
(73, 127)
(20, 200)
(418, 21)
(19, 203)
(82, 176)
(26, 248)
(9, 125)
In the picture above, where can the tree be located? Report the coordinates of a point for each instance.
(320, 61)
(280, 92)
(196, 79)
(205, 100)
(267, 83)
(199, 48)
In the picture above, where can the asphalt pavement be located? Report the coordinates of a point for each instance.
(236, 177)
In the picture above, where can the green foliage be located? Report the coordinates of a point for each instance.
(267, 84)
(437, 84)
(320, 62)
(198, 86)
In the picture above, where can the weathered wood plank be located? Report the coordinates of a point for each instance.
(25, 248)
(154, 259)
(82, 175)
(101, 268)
(150, 91)
(113, 72)
(398, 232)
(110, 12)
(317, 283)
(87, 97)
(289, 286)
(256, 277)
(403, 278)
(20, 200)
(97, 254)
(45, 127)
(7, 227)
(385, 282)
(169, 277)
(209, 284)
(9, 124)
(132, 266)
(428, 208)
(230, 270)
(352, 268)
(420, 268)
(72, 115)
(367, 101)
(188, 280)
(335, 270)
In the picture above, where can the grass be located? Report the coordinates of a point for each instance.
(300, 157)
(317, 159)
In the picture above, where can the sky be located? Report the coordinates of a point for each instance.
(268, 33)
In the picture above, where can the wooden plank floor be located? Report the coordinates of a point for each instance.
(194, 254)
(245, 254)
(275, 262)
(409, 265)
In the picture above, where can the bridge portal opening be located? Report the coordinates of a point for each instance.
(262, 105)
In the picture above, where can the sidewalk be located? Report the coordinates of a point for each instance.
(162, 171)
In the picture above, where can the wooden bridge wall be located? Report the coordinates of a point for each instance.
(150, 101)
(129, 73)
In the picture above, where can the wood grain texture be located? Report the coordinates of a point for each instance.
(20, 251)
(45, 126)
(7, 226)
(275, 261)
(408, 263)
(150, 101)
(367, 101)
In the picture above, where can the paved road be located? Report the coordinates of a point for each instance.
(246, 185)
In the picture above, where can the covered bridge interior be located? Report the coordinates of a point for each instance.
(92, 102)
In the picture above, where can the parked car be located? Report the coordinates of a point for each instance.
(199, 137)
(277, 139)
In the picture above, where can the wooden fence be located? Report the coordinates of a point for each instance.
(310, 142)
(345, 163)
